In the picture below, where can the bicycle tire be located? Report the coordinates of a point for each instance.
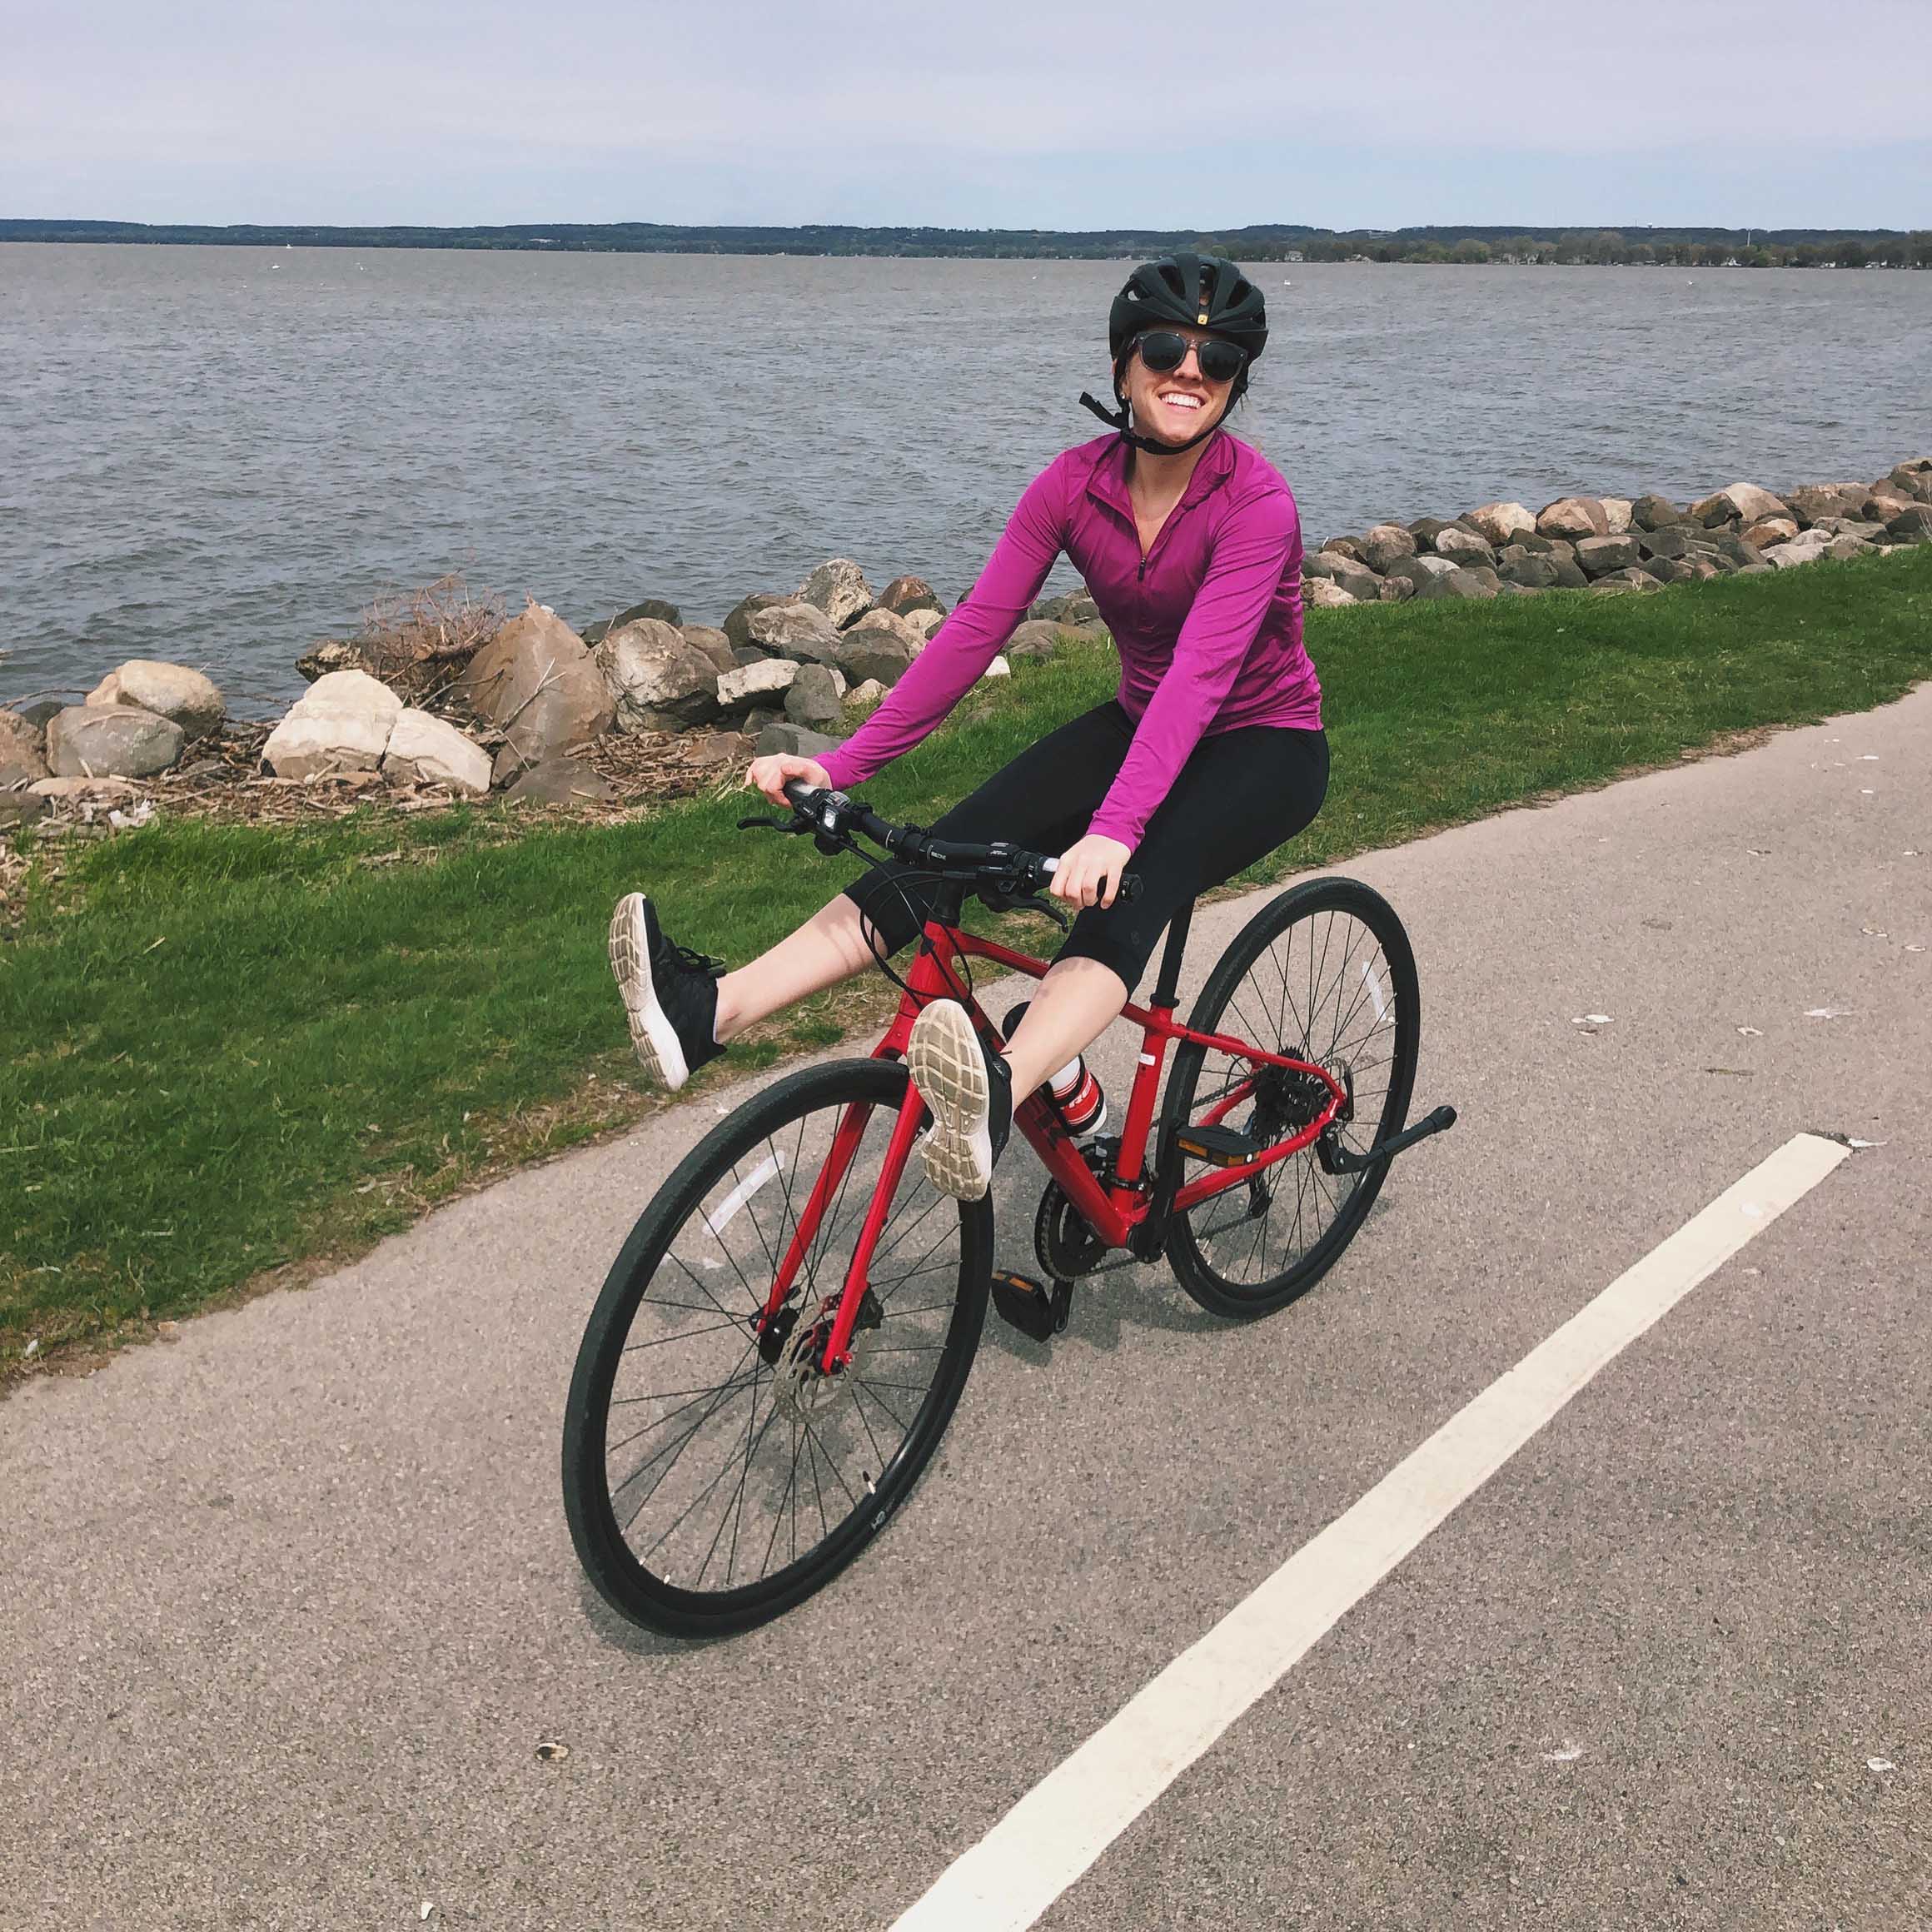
(783, 1116)
(1378, 1005)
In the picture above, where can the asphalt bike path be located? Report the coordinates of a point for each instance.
(290, 1607)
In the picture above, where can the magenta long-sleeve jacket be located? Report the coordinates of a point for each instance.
(1208, 623)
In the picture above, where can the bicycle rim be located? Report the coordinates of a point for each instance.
(712, 1483)
(1324, 973)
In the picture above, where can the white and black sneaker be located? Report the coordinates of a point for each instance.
(670, 994)
(970, 1093)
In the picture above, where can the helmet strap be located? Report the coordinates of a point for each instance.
(1121, 419)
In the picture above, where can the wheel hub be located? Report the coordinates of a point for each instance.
(800, 1382)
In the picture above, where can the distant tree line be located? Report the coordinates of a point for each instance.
(1273, 241)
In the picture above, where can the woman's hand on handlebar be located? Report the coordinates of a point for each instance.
(770, 775)
(1088, 873)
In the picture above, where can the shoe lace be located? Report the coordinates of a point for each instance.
(690, 962)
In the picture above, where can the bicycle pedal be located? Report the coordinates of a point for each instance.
(1022, 1303)
(1220, 1147)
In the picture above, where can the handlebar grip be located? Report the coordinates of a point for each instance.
(798, 789)
(1128, 888)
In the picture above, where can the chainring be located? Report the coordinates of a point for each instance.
(1066, 1247)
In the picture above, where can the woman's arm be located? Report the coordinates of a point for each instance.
(1250, 554)
(964, 644)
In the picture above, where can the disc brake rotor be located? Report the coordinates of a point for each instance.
(800, 1380)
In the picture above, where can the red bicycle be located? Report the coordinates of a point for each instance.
(781, 1345)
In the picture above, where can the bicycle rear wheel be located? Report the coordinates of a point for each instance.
(711, 1482)
(1324, 973)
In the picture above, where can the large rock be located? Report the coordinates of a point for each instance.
(1036, 641)
(652, 607)
(737, 624)
(1573, 518)
(1729, 545)
(1599, 555)
(333, 654)
(838, 588)
(111, 741)
(1345, 546)
(817, 697)
(657, 680)
(168, 690)
(797, 630)
(879, 646)
(22, 738)
(1501, 523)
(1526, 569)
(1325, 595)
(1387, 544)
(561, 781)
(1737, 503)
(536, 681)
(1074, 609)
(1630, 578)
(924, 623)
(429, 750)
(715, 645)
(1654, 512)
(865, 699)
(1806, 550)
(903, 595)
(1464, 546)
(1420, 570)
(756, 683)
(796, 740)
(1913, 525)
(1423, 530)
(1343, 572)
(341, 722)
(1771, 529)
(1672, 540)
(1814, 502)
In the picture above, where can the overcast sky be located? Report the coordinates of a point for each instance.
(974, 113)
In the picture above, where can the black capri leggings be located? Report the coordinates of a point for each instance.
(1240, 794)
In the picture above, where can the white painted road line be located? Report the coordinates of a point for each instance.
(1058, 1830)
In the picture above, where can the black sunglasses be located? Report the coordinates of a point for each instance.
(1163, 350)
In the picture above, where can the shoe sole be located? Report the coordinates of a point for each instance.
(948, 1066)
(652, 1034)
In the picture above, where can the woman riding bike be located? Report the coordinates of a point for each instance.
(1210, 756)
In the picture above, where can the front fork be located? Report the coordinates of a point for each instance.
(845, 1149)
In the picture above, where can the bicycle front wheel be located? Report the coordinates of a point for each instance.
(714, 1476)
(1324, 973)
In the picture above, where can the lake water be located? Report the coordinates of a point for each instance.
(217, 455)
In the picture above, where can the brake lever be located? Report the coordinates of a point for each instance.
(1032, 904)
(767, 823)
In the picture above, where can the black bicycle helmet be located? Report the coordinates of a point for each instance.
(1185, 291)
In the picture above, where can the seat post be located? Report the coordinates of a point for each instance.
(1167, 984)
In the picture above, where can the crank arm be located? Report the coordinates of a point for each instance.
(1338, 1160)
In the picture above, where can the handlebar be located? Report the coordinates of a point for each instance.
(1003, 870)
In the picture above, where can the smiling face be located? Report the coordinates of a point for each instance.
(1176, 405)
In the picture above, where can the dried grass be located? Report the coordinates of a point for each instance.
(417, 642)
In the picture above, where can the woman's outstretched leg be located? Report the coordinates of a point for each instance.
(683, 1007)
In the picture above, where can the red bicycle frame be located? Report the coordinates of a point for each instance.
(1114, 1211)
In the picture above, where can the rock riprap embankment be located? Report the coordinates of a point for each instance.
(533, 706)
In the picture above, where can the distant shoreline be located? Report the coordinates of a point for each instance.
(1466, 245)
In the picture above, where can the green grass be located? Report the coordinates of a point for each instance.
(233, 1050)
